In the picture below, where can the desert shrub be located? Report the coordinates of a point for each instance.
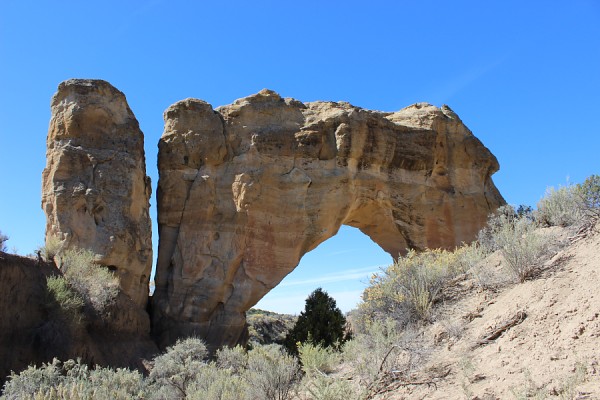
(63, 301)
(106, 383)
(471, 257)
(74, 380)
(386, 347)
(272, 373)
(33, 379)
(234, 359)
(214, 383)
(50, 249)
(407, 290)
(316, 359)
(321, 321)
(589, 192)
(320, 387)
(560, 207)
(521, 246)
(486, 236)
(176, 369)
(98, 286)
(3, 240)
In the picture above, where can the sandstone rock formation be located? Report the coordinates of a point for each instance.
(247, 189)
(32, 330)
(95, 191)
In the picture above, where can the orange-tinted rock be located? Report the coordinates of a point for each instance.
(95, 191)
(247, 189)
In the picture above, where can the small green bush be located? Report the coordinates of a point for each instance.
(560, 207)
(472, 259)
(407, 290)
(272, 373)
(63, 301)
(214, 383)
(51, 248)
(74, 380)
(234, 359)
(25, 384)
(521, 246)
(316, 359)
(322, 387)
(496, 220)
(386, 347)
(176, 369)
(589, 192)
(98, 285)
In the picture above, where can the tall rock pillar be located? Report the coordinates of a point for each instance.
(95, 191)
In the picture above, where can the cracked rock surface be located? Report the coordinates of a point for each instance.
(95, 192)
(247, 189)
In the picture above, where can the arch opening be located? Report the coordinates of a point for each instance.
(341, 265)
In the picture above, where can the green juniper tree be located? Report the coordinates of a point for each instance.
(321, 323)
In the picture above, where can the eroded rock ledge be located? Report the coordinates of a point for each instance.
(247, 189)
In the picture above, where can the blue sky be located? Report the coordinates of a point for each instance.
(524, 76)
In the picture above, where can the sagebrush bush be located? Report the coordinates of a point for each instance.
(366, 353)
(98, 285)
(560, 207)
(407, 289)
(521, 246)
(589, 192)
(51, 248)
(272, 373)
(234, 359)
(485, 237)
(74, 380)
(471, 257)
(63, 301)
(176, 369)
(33, 379)
(317, 360)
(321, 387)
(214, 383)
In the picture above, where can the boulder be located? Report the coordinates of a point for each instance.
(247, 189)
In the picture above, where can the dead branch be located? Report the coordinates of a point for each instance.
(499, 331)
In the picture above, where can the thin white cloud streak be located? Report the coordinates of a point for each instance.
(337, 253)
(462, 81)
(348, 275)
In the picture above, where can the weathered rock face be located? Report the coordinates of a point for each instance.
(33, 330)
(95, 191)
(246, 190)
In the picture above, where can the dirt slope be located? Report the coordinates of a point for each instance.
(543, 336)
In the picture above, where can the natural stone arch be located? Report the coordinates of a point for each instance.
(246, 190)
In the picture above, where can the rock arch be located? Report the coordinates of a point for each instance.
(247, 189)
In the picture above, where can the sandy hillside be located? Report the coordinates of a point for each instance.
(539, 339)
